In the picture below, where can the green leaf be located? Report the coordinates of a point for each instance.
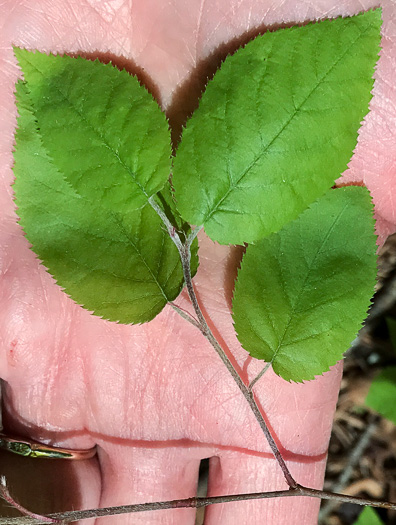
(368, 517)
(124, 267)
(382, 394)
(275, 127)
(102, 129)
(302, 293)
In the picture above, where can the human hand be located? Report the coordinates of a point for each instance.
(155, 398)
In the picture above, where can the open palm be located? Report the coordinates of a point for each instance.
(156, 398)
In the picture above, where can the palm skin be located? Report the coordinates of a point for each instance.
(156, 398)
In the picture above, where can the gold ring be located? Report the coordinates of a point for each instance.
(33, 449)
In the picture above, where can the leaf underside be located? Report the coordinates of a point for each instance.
(92, 227)
(275, 127)
(302, 293)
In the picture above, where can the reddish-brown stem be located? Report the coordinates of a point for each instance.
(247, 393)
(184, 249)
(298, 490)
(5, 494)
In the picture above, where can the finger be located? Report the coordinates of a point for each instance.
(238, 473)
(133, 474)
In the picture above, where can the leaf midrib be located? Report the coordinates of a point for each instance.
(101, 137)
(127, 241)
(284, 126)
(292, 312)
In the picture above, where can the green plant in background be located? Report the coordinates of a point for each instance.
(382, 393)
(257, 160)
(368, 517)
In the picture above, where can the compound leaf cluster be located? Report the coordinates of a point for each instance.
(275, 128)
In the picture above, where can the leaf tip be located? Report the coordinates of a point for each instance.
(20, 54)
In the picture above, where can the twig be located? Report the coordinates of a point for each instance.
(185, 256)
(295, 489)
(186, 315)
(193, 234)
(248, 395)
(5, 494)
(298, 490)
(346, 474)
(259, 376)
(169, 226)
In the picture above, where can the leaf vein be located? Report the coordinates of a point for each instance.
(283, 127)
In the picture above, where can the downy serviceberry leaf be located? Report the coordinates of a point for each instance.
(302, 293)
(102, 129)
(117, 261)
(275, 127)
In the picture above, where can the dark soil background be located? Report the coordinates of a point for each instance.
(363, 442)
